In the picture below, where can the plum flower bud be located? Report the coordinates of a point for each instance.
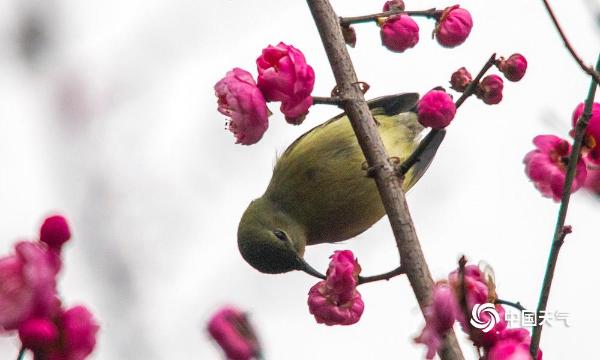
(460, 79)
(38, 334)
(436, 109)
(399, 33)
(440, 316)
(27, 284)
(546, 166)
(241, 100)
(335, 301)
(55, 232)
(454, 26)
(592, 134)
(393, 5)
(349, 35)
(284, 75)
(230, 328)
(490, 89)
(514, 67)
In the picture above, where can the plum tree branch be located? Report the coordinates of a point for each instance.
(388, 183)
(561, 230)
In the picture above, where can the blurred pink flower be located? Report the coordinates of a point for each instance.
(38, 334)
(55, 232)
(514, 67)
(27, 284)
(399, 33)
(77, 328)
(592, 140)
(490, 89)
(512, 344)
(592, 181)
(546, 166)
(230, 328)
(241, 100)
(475, 286)
(393, 4)
(335, 301)
(284, 75)
(454, 26)
(436, 109)
(440, 316)
(460, 79)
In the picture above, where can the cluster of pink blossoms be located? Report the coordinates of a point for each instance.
(283, 75)
(29, 302)
(447, 307)
(490, 88)
(230, 328)
(400, 32)
(335, 300)
(547, 165)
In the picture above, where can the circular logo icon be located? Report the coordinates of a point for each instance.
(489, 322)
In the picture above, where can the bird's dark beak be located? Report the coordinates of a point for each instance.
(304, 266)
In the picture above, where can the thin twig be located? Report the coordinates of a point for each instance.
(517, 305)
(385, 276)
(21, 355)
(388, 184)
(588, 69)
(560, 230)
(423, 144)
(430, 13)
(327, 100)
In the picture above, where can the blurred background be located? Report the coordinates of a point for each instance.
(108, 116)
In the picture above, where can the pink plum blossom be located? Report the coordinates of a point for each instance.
(240, 99)
(460, 79)
(546, 166)
(38, 334)
(335, 301)
(454, 26)
(592, 140)
(284, 75)
(512, 344)
(230, 328)
(27, 284)
(436, 109)
(399, 33)
(55, 231)
(490, 89)
(514, 67)
(440, 316)
(592, 181)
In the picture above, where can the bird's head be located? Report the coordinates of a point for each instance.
(270, 240)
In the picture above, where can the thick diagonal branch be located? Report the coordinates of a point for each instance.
(388, 184)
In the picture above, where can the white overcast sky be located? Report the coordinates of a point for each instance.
(112, 121)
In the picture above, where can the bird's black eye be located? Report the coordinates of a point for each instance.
(280, 235)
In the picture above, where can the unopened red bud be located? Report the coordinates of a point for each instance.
(349, 35)
(393, 5)
(454, 26)
(399, 33)
(490, 89)
(460, 79)
(514, 67)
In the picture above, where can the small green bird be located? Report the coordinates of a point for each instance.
(319, 191)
